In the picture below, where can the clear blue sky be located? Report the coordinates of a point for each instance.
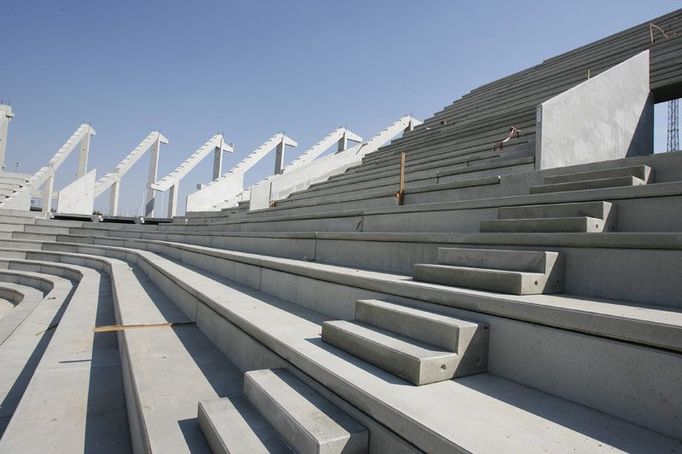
(252, 68)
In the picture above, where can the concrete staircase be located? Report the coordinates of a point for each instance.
(279, 413)
(10, 183)
(248, 326)
(496, 270)
(481, 316)
(610, 178)
(585, 217)
(418, 346)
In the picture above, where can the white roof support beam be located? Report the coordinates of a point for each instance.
(278, 141)
(297, 177)
(341, 136)
(232, 182)
(215, 144)
(45, 176)
(79, 137)
(113, 179)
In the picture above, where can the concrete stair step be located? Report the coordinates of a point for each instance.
(293, 334)
(505, 259)
(11, 227)
(415, 361)
(48, 229)
(643, 172)
(169, 368)
(466, 338)
(598, 210)
(501, 281)
(307, 422)
(588, 184)
(582, 224)
(233, 425)
(75, 378)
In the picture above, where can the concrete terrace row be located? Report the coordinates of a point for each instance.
(229, 299)
(502, 307)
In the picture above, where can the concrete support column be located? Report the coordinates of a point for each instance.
(113, 198)
(83, 155)
(410, 126)
(343, 143)
(279, 157)
(153, 170)
(6, 116)
(173, 199)
(48, 188)
(218, 163)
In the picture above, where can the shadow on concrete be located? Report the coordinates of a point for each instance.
(551, 408)
(106, 425)
(643, 137)
(11, 400)
(354, 361)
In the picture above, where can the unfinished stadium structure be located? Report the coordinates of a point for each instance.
(504, 277)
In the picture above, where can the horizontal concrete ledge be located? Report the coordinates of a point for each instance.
(653, 326)
(650, 190)
(602, 240)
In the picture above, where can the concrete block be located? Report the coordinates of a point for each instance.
(585, 185)
(415, 361)
(308, 422)
(582, 224)
(442, 331)
(505, 259)
(598, 210)
(234, 426)
(643, 172)
(513, 282)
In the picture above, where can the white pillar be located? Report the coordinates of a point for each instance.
(218, 163)
(83, 156)
(279, 157)
(153, 169)
(410, 125)
(6, 116)
(48, 187)
(113, 198)
(173, 199)
(343, 143)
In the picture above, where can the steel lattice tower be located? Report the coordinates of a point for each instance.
(673, 125)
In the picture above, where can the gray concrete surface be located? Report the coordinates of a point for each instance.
(308, 422)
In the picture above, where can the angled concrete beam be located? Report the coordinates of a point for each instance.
(232, 183)
(112, 179)
(77, 138)
(45, 176)
(215, 143)
(300, 176)
(259, 153)
(6, 116)
(172, 180)
(341, 136)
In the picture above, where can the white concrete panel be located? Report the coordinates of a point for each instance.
(79, 196)
(609, 116)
